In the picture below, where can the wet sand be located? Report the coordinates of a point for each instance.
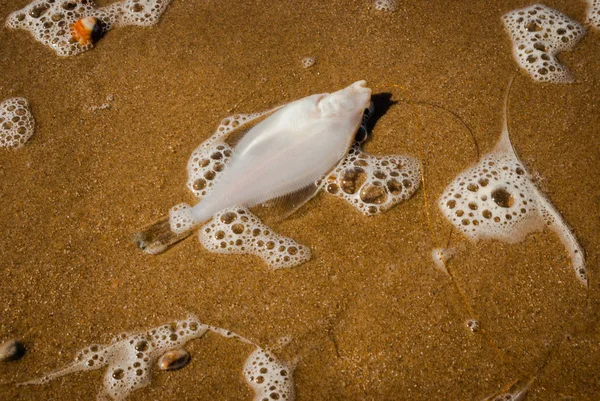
(369, 315)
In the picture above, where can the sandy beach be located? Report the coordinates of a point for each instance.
(370, 317)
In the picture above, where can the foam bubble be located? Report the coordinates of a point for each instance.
(180, 218)
(386, 5)
(593, 13)
(136, 12)
(130, 357)
(308, 62)
(496, 199)
(237, 231)
(50, 21)
(270, 378)
(538, 33)
(373, 184)
(441, 256)
(16, 122)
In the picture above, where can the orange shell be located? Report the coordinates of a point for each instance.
(83, 29)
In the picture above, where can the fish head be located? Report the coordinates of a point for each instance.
(346, 104)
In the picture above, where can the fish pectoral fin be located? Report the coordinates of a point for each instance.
(237, 126)
(279, 208)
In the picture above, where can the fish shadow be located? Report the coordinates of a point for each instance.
(382, 102)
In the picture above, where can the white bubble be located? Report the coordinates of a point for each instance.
(237, 231)
(308, 62)
(180, 218)
(593, 13)
(440, 257)
(16, 122)
(386, 5)
(538, 34)
(373, 184)
(270, 378)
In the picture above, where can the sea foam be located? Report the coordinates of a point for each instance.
(269, 377)
(236, 230)
(538, 34)
(373, 184)
(497, 199)
(130, 358)
(16, 122)
(593, 13)
(386, 5)
(50, 21)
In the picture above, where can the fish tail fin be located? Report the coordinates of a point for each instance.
(158, 236)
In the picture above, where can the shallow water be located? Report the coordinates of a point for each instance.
(370, 316)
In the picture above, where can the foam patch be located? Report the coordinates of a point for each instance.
(308, 62)
(130, 357)
(593, 13)
(180, 218)
(237, 231)
(136, 12)
(496, 199)
(538, 34)
(440, 257)
(386, 5)
(50, 21)
(493, 200)
(373, 184)
(270, 378)
(16, 122)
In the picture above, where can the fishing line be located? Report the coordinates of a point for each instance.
(434, 236)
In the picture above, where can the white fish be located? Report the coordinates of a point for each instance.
(279, 159)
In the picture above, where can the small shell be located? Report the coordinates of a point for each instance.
(173, 360)
(86, 30)
(11, 350)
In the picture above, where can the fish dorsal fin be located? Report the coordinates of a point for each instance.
(235, 127)
(279, 208)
